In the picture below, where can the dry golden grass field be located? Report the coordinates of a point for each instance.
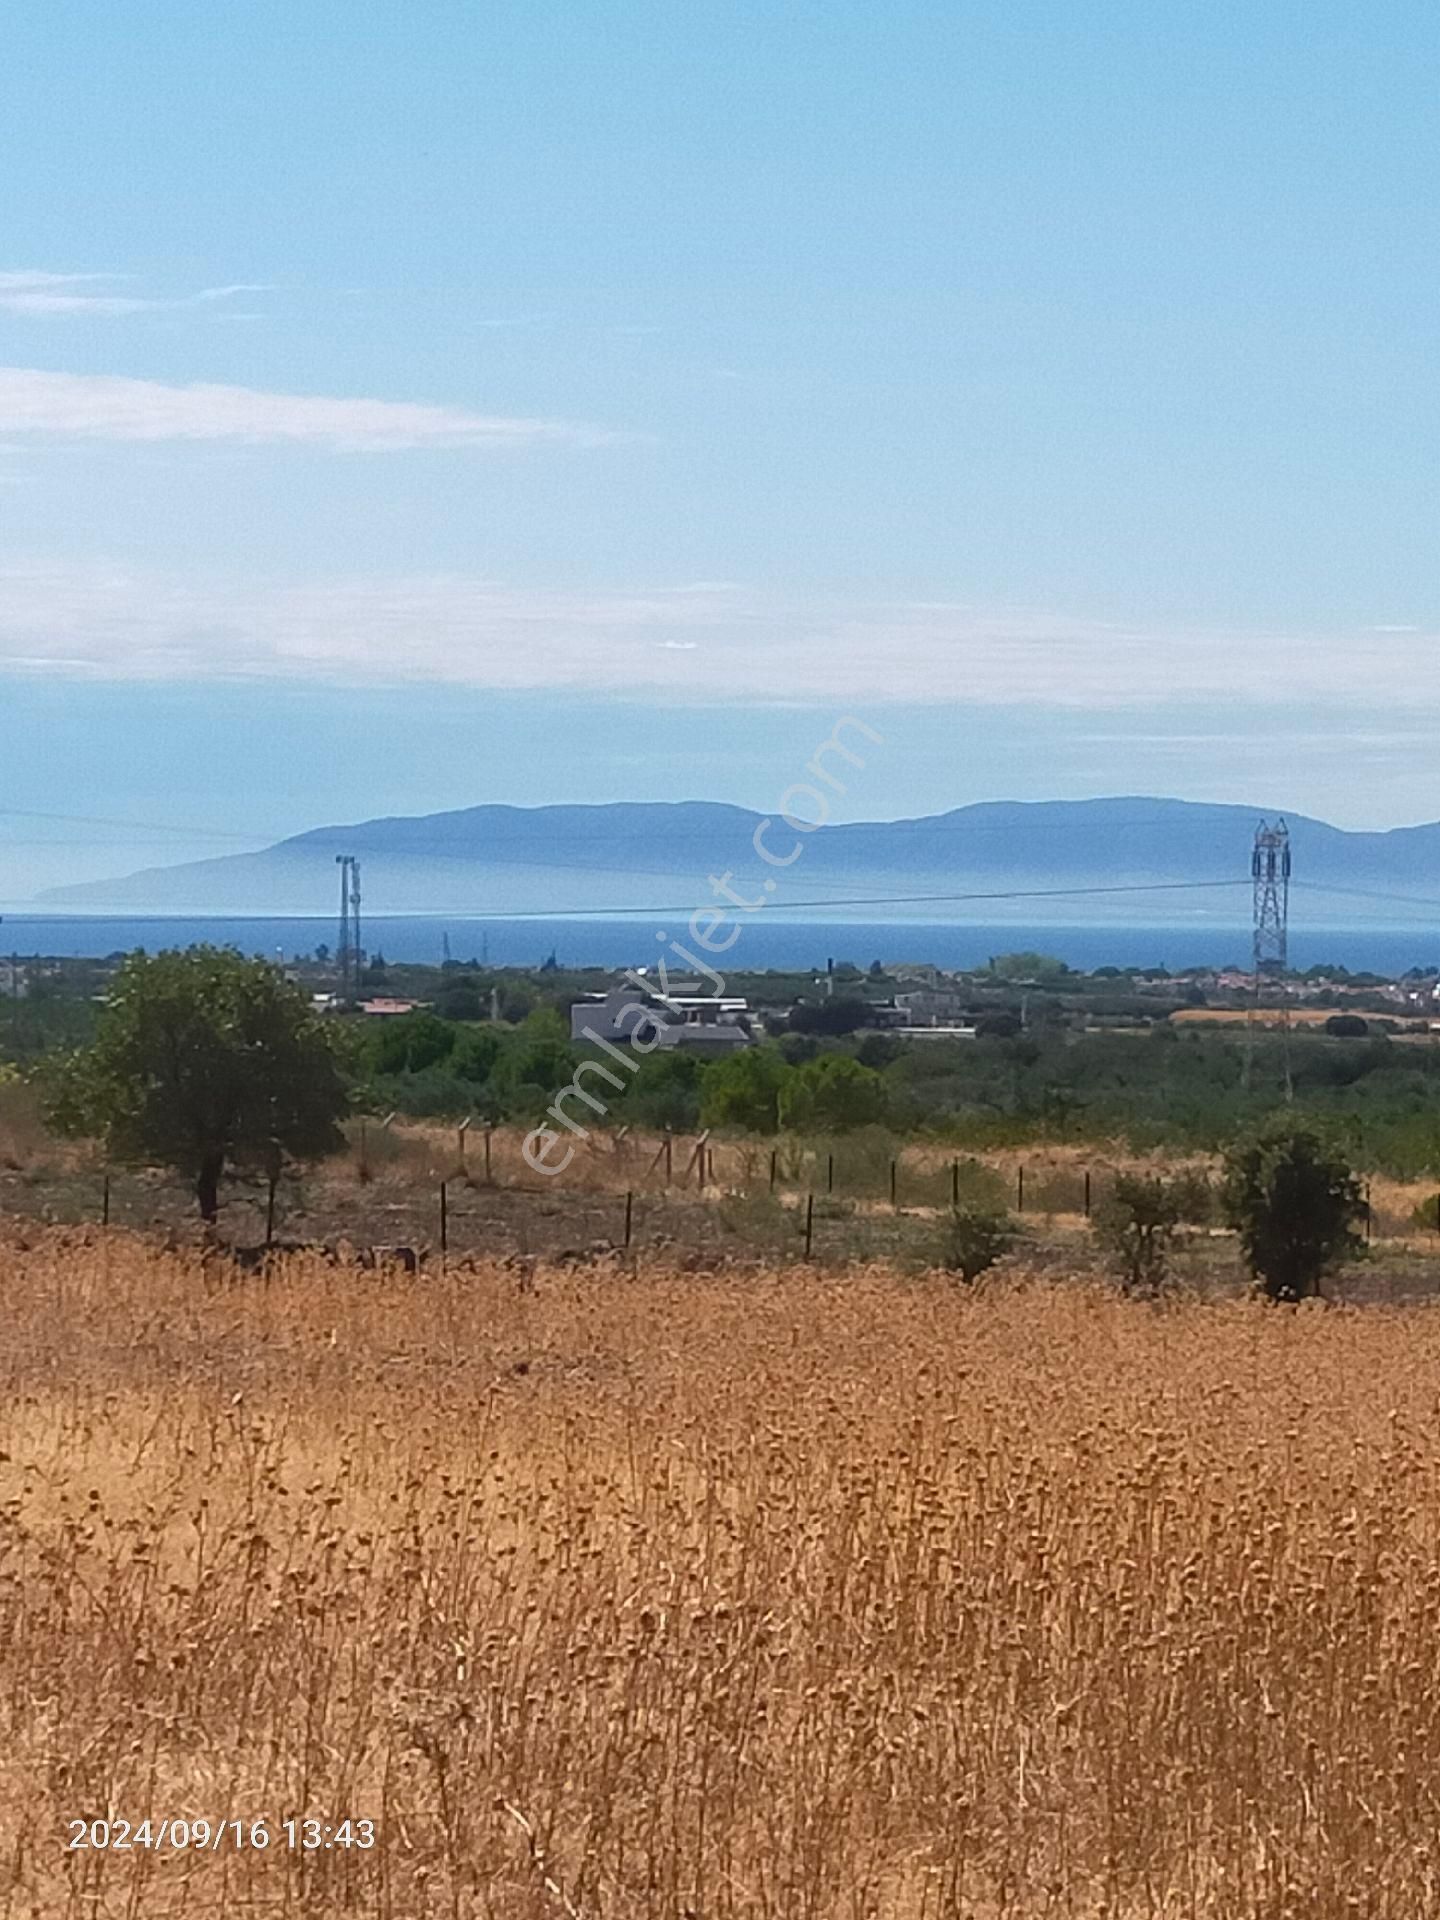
(624, 1596)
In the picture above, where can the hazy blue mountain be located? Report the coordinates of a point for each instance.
(546, 860)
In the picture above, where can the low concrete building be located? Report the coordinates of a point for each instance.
(932, 1006)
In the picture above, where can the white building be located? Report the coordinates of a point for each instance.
(694, 1022)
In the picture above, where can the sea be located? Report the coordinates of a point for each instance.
(766, 942)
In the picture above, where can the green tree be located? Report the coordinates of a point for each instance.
(832, 1095)
(1296, 1204)
(1027, 966)
(743, 1090)
(410, 1042)
(475, 1054)
(1136, 1224)
(537, 1057)
(204, 1060)
(460, 998)
(846, 1013)
(665, 1091)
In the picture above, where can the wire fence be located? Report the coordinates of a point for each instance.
(407, 1190)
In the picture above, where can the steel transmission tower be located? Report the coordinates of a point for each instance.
(1270, 876)
(350, 956)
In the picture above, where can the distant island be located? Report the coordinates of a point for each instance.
(1179, 857)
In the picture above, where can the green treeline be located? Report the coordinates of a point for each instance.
(1164, 1088)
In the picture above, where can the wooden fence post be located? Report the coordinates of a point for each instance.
(460, 1134)
(696, 1162)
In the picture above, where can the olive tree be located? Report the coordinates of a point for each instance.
(204, 1060)
(1295, 1203)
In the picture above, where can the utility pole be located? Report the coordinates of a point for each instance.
(1270, 880)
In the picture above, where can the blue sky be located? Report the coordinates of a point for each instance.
(413, 406)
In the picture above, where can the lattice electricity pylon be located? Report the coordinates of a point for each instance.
(347, 958)
(1270, 875)
(357, 943)
(1270, 870)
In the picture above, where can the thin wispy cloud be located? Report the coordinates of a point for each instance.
(112, 407)
(692, 642)
(40, 295)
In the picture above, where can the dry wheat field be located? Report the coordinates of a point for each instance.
(628, 1595)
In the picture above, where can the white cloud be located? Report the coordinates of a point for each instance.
(37, 295)
(692, 643)
(111, 407)
(32, 277)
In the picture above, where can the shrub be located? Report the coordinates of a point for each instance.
(1295, 1203)
(1135, 1224)
(759, 1220)
(1195, 1198)
(972, 1239)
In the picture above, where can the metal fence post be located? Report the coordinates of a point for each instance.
(444, 1218)
(629, 1215)
(809, 1223)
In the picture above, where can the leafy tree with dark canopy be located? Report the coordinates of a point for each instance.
(203, 1060)
(1296, 1204)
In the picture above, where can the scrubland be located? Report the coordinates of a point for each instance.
(656, 1594)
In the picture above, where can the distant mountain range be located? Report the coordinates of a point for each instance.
(1183, 859)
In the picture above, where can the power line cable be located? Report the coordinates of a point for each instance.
(616, 913)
